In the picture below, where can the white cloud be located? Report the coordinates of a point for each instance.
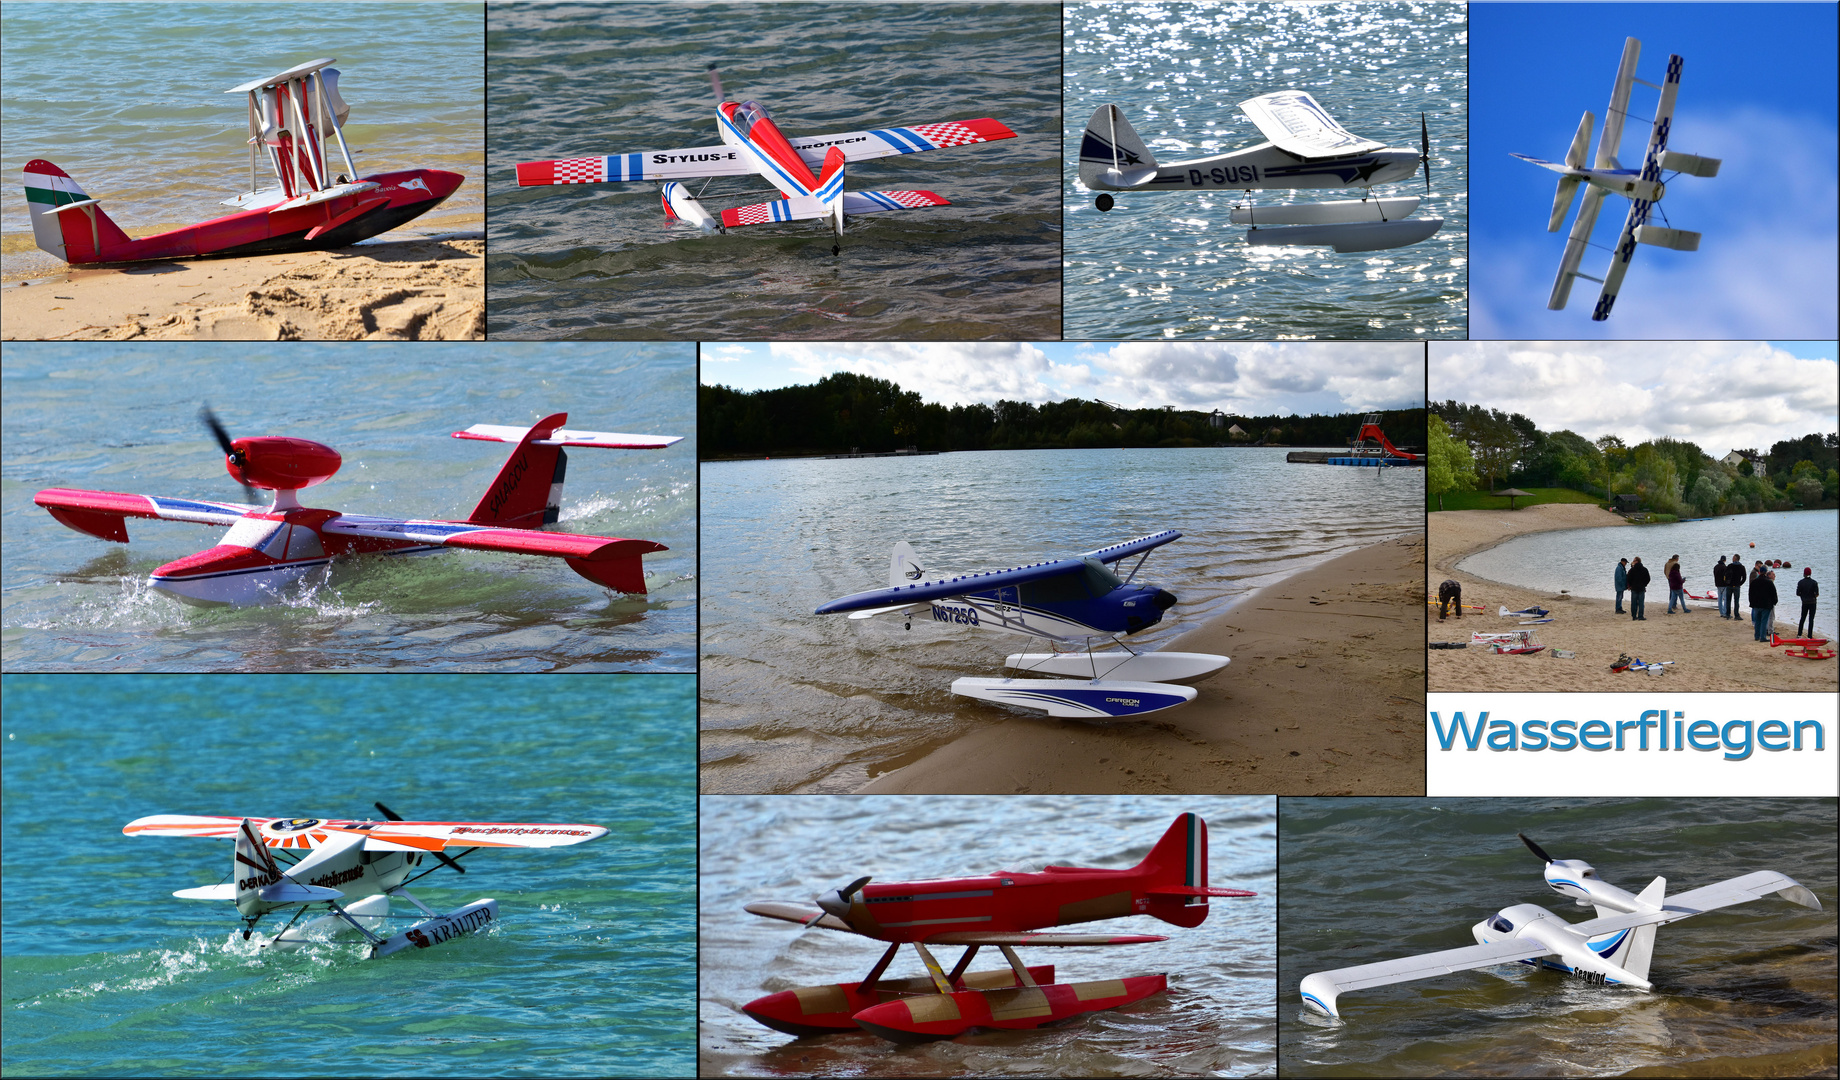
(1263, 377)
(727, 354)
(948, 373)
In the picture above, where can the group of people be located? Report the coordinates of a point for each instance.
(1728, 578)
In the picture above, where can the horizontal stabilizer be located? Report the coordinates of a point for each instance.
(1581, 143)
(795, 208)
(607, 440)
(878, 202)
(1691, 164)
(1562, 202)
(226, 891)
(1195, 890)
(1678, 239)
(289, 893)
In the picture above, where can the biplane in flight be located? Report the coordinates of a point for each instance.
(314, 204)
(1007, 909)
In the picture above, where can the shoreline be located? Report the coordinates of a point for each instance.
(1324, 695)
(1709, 653)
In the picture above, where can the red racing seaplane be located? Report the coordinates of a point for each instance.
(302, 862)
(808, 171)
(1004, 909)
(315, 205)
(271, 547)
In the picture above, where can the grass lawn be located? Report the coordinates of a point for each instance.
(1482, 500)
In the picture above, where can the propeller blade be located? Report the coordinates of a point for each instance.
(394, 816)
(1424, 150)
(1535, 848)
(853, 888)
(235, 456)
(715, 83)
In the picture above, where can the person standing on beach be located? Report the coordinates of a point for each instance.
(1763, 599)
(1734, 580)
(1622, 582)
(1677, 585)
(1718, 587)
(1450, 594)
(1638, 583)
(1807, 590)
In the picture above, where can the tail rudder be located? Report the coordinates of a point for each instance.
(78, 235)
(527, 493)
(1179, 863)
(904, 566)
(1638, 949)
(253, 870)
(830, 189)
(1111, 153)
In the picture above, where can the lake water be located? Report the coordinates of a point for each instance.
(1172, 265)
(129, 100)
(589, 972)
(1584, 560)
(1744, 992)
(1215, 1020)
(600, 261)
(799, 702)
(122, 417)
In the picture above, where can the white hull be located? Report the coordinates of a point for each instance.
(475, 916)
(1145, 667)
(1097, 699)
(369, 912)
(1340, 211)
(1357, 236)
(240, 588)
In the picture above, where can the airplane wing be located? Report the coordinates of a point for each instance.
(101, 513)
(912, 139)
(902, 595)
(1639, 209)
(566, 437)
(1320, 989)
(793, 913)
(492, 538)
(1131, 547)
(806, 208)
(1612, 135)
(1738, 890)
(379, 835)
(645, 165)
(1575, 244)
(1294, 122)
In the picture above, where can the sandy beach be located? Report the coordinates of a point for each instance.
(408, 286)
(1324, 696)
(1709, 653)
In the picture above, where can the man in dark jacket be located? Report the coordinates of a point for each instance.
(1718, 588)
(1734, 581)
(1763, 601)
(1807, 590)
(1638, 583)
(1622, 582)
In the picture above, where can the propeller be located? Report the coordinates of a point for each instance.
(838, 903)
(715, 83)
(1535, 848)
(1424, 157)
(232, 454)
(394, 816)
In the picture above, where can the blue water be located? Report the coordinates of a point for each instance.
(1172, 265)
(1584, 560)
(588, 973)
(122, 417)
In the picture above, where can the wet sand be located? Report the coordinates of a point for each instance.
(1709, 653)
(1324, 696)
(410, 287)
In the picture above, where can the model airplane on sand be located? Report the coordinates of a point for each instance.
(808, 171)
(271, 547)
(1005, 909)
(305, 862)
(1643, 187)
(315, 205)
(1308, 149)
(1076, 601)
(1612, 949)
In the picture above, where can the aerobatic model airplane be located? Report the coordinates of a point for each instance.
(1612, 949)
(271, 547)
(1308, 149)
(1643, 187)
(1005, 909)
(808, 171)
(1076, 600)
(303, 862)
(315, 205)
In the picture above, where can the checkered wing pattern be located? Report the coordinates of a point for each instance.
(913, 139)
(951, 133)
(876, 202)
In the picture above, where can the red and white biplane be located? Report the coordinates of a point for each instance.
(269, 548)
(1005, 909)
(808, 171)
(303, 862)
(314, 206)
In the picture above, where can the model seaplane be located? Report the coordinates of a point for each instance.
(1643, 187)
(1612, 949)
(1073, 601)
(270, 547)
(808, 171)
(315, 205)
(301, 863)
(1308, 149)
(1004, 909)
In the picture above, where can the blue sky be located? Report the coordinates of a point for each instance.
(1248, 379)
(1757, 90)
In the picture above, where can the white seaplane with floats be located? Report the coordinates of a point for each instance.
(1307, 150)
(1073, 603)
(269, 548)
(301, 863)
(1613, 949)
(808, 171)
(1643, 187)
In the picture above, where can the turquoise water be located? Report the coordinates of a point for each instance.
(129, 100)
(1746, 991)
(122, 417)
(1584, 560)
(588, 973)
(1215, 1020)
(1172, 265)
(600, 260)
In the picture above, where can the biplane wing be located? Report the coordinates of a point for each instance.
(378, 835)
(912, 139)
(1294, 122)
(1635, 223)
(793, 913)
(101, 513)
(645, 165)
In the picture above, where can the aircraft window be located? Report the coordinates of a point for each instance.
(1501, 925)
(1589, 873)
(1059, 589)
(252, 532)
(749, 114)
(1099, 579)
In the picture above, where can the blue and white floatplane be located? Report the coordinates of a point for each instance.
(1076, 603)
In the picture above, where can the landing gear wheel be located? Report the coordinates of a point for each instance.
(1103, 202)
(836, 249)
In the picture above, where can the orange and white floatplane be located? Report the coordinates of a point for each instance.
(1006, 910)
(318, 202)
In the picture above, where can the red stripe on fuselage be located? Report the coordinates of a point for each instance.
(765, 136)
(1000, 903)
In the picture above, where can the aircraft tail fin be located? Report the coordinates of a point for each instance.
(829, 191)
(904, 566)
(1177, 873)
(1640, 948)
(527, 493)
(1112, 156)
(253, 869)
(79, 234)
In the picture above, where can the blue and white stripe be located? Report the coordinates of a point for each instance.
(626, 167)
(902, 139)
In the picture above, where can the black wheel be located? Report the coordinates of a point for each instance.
(836, 249)
(1103, 202)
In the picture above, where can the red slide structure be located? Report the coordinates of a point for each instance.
(1370, 429)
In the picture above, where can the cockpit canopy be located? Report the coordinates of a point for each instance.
(749, 113)
(1501, 925)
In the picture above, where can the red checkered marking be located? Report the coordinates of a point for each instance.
(915, 198)
(950, 133)
(587, 170)
(757, 214)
